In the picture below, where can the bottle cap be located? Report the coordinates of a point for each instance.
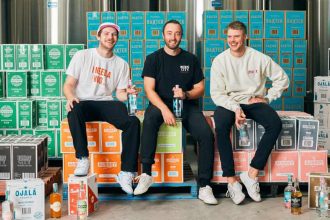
(177, 86)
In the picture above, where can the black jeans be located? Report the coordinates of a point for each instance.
(194, 122)
(113, 112)
(261, 113)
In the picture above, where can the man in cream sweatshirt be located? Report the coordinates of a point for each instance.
(238, 77)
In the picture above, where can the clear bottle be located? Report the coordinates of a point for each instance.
(131, 102)
(296, 199)
(81, 203)
(7, 208)
(177, 105)
(287, 193)
(55, 201)
(244, 135)
(323, 198)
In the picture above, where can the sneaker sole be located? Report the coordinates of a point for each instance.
(208, 203)
(239, 202)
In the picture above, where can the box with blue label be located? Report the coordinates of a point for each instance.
(288, 92)
(299, 82)
(122, 49)
(93, 44)
(257, 44)
(299, 53)
(93, 22)
(180, 16)
(271, 48)
(151, 46)
(226, 17)
(208, 104)
(211, 25)
(108, 16)
(277, 104)
(293, 103)
(274, 24)
(154, 24)
(138, 25)
(256, 27)
(124, 22)
(207, 76)
(137, 53)
(136, 75)
(295, 24)
(242, 16)
(286, 53)
(322, 89)
(211, 48)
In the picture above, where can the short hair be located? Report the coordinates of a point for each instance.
(237, 25)
(173, 22)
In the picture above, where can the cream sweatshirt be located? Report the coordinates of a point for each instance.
(234, 80)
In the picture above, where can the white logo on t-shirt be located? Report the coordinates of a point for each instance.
(184, 68)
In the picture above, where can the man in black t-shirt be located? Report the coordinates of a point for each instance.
(163, 69)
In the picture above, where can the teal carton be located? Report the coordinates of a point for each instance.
(288, 92)
(22, 57)
(41, 112)
(50, 84)
(226, 17)
(54, 113)
(92, 44)
(54, 57)
(137, 53)
(211, 25)
(151, 46)
(122, 49)
(136, 75)
(124, 22)
(16, 84)
(27, 113)
(271, 48)
(256, 27)
(242, 16)
(207, 76)
(181, 17)
(208, 104)
(36, 57)
(154, 24)
(299, 53)
(293, 103)
(295, 25)
(34, 84)
(257, 44)
(138, 25)
(70, 50)
(8, 57)
(108, 16)
(299, 81)
(211, 48)
(277, 104)
(93, 23)
(8, 114)
(274, 24)
(286, 53)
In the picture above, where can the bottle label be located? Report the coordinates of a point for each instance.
(56, 206)
(82, 208)
(177, 107)
(296, 202)
(287, 199)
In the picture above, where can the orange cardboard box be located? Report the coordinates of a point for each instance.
(264, 175)
(111, 138)
(90, 191)
(241, 161)
(106, 166)
(283, 163)
(93, 137)
(69, 165)
(156, 169)
(312, 162)
(173, 167)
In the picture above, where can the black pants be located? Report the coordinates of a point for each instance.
(194, 122)
(114, 112)
(261, 113)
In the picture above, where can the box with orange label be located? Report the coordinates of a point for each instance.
(111, 138)
(69, 165)
(106, 166)
(93, 137)
(90, 191)
(264, 175)
(156, 169)
(173, 167)
(282, 164)
(312, 162)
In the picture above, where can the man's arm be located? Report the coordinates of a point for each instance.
(196, 92)
(149, 88)
(69, 92)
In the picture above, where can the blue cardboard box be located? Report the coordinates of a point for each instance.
(299, 81)
(122, 49)
(256, 27)
(242, 16)
(151, 46)
(271, 48)
(136, 75)
(124, 21)
(293, 103)
(108, 16)
(207, 76)
(257, 44)
(226, 17)
(274, 24)
(138, 25)
(299, 53)
(295, 25)
(154, 24)
(93, 23)
(277, 104)
(288, 91)
(211, 48)
(180, 16)
(211, 25)
(137, 53)
(286, 53)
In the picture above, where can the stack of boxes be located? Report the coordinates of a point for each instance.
(140, 35)
(279, 34)
(32, 100)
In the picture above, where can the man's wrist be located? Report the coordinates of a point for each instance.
(186, 95)
(267, 100)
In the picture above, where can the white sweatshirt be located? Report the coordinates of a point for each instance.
(234, 80)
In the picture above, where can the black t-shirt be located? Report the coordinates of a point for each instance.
(183, 70)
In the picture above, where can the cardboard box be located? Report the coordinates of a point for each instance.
(70, 50)
(295, 24)
(238, 145)
(307, 133)
(211, 49)
(169, 139)
(90, 192)
(312, 162)
(8, 114)
(123, 19)
(274, 24)
(322, 113)
(138, 25)
(208, 104)
(137, 53)
(34, 83)
(106, 167)
(286, 53)
(151, 46)
(69, 165)
(22, 57)
(242, 16)
(42, 112)
(226, 17)
(54, 57)
(257, 44)
(111, 138)
(287, 137)
(314, 187)
(299, 53)
(2, 83)
(211, 25)
(180, 16)
(50, 84)
(256, 28)
(299, 82)
(324, 140)
(277, 104)
(322, 89)
(157, 169)
(51, 139)
(173, 168)
(16, 84)
(293, 103)
(282, 164)
(5, 161)
(122, 49)
(154, 24)
(271, 49)
(36, 57)
(288, 92)
(136, 75)
(108, 16)
(93, 22)
(27, 111)
(8, 57)
(54, 113)
(92, 43)
(264, 175)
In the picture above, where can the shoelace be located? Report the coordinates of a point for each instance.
(128, 180)
(138, 178)
(230, 194)
(256, 187)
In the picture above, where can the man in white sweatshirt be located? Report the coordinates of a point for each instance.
(238, 77)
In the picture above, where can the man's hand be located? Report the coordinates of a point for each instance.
(168, 117)
(178, 93)
(258, 99)
(239, 117)
(70, 102)
(132, 90)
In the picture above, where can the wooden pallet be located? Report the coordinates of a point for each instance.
(158, 191)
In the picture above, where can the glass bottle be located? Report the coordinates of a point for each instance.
(81, 203)
(55, 202)
(131, 102)
(296, 199)
(7, 208)
(323, 198)
(287, 193)
(177, 105)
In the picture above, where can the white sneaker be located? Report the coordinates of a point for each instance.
(206, 195)
(252, 186)
(145, 181)
(235, 192)
(82, 167)
(125, 180)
